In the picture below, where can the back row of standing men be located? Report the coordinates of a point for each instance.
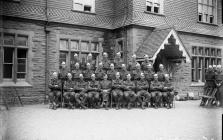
(112, 83)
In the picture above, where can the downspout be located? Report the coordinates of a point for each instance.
(125, 30)
(46, 50)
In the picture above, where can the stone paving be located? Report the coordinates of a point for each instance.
(187, 121)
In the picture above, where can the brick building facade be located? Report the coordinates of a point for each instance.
(37, 35)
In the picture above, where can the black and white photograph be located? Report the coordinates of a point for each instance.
(111, 69)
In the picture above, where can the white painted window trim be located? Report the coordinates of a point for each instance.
(161, 6)
(84, 3)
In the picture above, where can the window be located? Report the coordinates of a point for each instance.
(202, 57)
(207, 11)
(68, 47)
(84, 5)
(14, 51)
(154, 6)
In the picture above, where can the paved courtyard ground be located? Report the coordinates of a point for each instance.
(187, 121)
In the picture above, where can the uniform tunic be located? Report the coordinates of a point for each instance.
(88, 73)
(136, 74)
(99, 73)
(123, 74)
(118, 63)
(132, 65)
(76, 73)
(111, 74)
(106, 64)
(144, 65)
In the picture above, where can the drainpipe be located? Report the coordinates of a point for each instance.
(125, 30)
(46, 51)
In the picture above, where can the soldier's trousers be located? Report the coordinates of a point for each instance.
(54, 96)
(167, 97)
(93, 98)
(156, 98)
(105, 95)
(117, 95)
(69, 97)
(129, 96)
(143, 96)
(80, 98)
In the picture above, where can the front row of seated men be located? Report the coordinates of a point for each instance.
(116, 92)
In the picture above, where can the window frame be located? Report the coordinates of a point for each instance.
(207, 15)
(92, 5)
(15, 47)
(153, 3)
(207, 56)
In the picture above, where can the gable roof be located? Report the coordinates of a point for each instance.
(156, 41)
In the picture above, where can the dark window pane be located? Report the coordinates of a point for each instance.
(21, 67)
(94, 46)
(21, 75)
(21, 53)
(8, 55)
(87, 8)
(7, 71)
(9, 39)
(63, 57)
(211, 19)
(22, 40)
(149, 8)
(156, 9)
(200, 17)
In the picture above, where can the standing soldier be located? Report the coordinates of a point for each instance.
(76, 72)
(129, 94)
(155, 87)
(219, 85)
(91, 61)
(88, 72)
(118, 62)
(93, 92)
(136, 72)
(105, 62)
(168, 93)
(54, 93)
(105, 85)
(112, 72)
(142, 94)
(81, 95)
(214, 68)
(69, 91)
(100, 72)
(161, 73)
(132, 63)
(146, 62)
(75, 60)
(62, 78)
(149, 74)
(117, 93)
(123, 72)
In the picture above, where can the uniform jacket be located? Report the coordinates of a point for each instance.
(156, 86)
(142, 84)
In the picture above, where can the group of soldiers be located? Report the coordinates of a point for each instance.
(213, 88)
(111, 84)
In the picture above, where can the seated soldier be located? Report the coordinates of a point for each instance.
(129, 94)
(143, 96)
(112, 72)
(99, 72)
(88, 72)
(124, 72)
(168, 93)
(55, 91)
(76, 72)
(105, 62)
(155, 87)
(69, 91)
(117, 93)
(93, 91)
(80, 89)
(136, 72)
(105, 91)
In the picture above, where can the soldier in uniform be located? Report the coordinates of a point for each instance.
(62, 77)
(136, 72)
(105, 85)
(99, 72)
(118, 61)
(76, 72)
(69, 91)
(93, 92)
(112, 72)
(117, 93)
(123, 72)
(81, 94)
(214, 68)
(54, 94)
(161, 73)
(88, 72)
(75, 60)
(149, 74)
(132, 63)
(155, 87)
(219, 85)
(143, 96)
(105, 62)
(167, 91)
(146, 62)
(91, 61)
(129, 94)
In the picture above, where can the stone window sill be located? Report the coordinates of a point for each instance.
(13, 84)
(158, 14)
(213, 24)
(197, 84)
(90, 13)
